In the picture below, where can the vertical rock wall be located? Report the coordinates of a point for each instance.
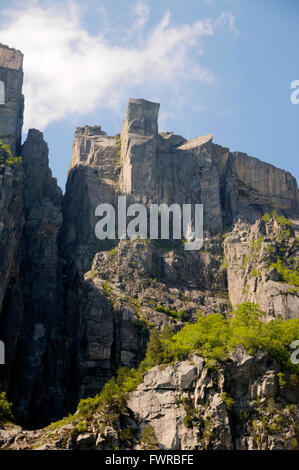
(69, 314)
(11, 112)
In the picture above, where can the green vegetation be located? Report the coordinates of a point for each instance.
(257, 244)
(118, 140)
(117, 159)
(284, 234)
(224, 262)
(107, 288)
(244, 415)
(212, 337)
(6, 155)
(166, 334)
(287, 267)
(112, 252)
(229, 401)
(93, 274)
(149, 439)
(62, 422)
(111, 298)
(178, 315)
(266, 217)
(155, 350)
(118, 154)
(253, 250)
(280, 219)
(112, 400)
(271, 423)
(255, 273)
(81, 427)
(294, 443)
(281, 380)
(192, 417)
(291, 276)
(275, 426)
(5, 409)
(126, 434)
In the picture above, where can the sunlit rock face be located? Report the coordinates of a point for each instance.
(73, 308)
(11, 98)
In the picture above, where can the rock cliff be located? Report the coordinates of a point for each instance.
(187, 406)
(73, 309)
(253, 273)
(11, 115)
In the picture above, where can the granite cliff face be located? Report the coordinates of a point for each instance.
(73, 308)
(187, 406)
(251, 252)
(11, 116)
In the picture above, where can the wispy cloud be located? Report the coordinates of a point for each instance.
(68, 70)
(227, 21)
(142, 12)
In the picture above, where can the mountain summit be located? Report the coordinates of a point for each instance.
(75, 309)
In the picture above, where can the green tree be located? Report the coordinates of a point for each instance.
(149, 439)
(6, 155)
(154, 352)
(166, 333)
(5, 409)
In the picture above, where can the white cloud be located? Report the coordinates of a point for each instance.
(68, 70)
(227, 20)
(142, 13)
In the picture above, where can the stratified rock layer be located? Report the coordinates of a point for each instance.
(73, 309)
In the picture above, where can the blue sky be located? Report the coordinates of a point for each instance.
(216, 66)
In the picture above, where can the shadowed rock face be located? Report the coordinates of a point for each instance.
(74, 309)
(32, 317)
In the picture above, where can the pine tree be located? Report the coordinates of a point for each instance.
(166, 334)
(154, 351)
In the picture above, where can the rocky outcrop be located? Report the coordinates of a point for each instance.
(162, 283)
(251, 253)
(11, 111)
(34, 318)
(91, 180)
(249, 187)
(106, 336)
(191, 406)
(167, 168)
(73, 308)
(11, 296)
(41, 275)
(11, 177)
(188, 406)
(11, 224)
(11, 203)
(162, 168)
